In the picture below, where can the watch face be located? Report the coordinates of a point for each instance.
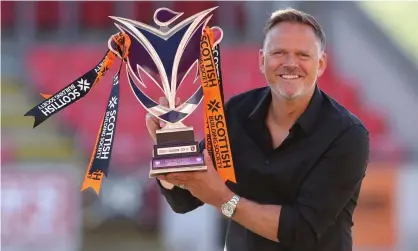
(228, 210)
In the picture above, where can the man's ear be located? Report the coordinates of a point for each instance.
(261, 60)
(323, 60)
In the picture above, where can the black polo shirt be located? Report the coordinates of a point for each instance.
(315, 174)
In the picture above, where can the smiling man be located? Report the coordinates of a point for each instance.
(299, 156)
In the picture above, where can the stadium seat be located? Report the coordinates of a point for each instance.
(7, 151)
(240, 18)
(47, 14)
(144, 11)
(8, 14)
(236, 18)
(235, 78)
(348, 96)
(95, 14)
(41, 62)
(374, 121)
(193, 7)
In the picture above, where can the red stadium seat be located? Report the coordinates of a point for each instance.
(235, 79)
(95, 14)
(240, 18)
(374, 121)
(8, 151)
(47, 14)
(8, 14)
(144, 11)
(236, 18)
(193, 7)
(348, 96)
(41, 63)
(328, 81)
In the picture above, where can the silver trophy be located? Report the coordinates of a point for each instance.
(165, 57)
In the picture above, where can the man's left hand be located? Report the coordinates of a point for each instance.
(207, 186)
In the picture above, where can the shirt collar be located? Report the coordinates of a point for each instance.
(305, 121)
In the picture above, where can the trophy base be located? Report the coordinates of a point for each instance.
(175, 164)
(176, 151)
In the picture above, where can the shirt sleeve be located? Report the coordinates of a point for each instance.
(326, 190)
(181, 200)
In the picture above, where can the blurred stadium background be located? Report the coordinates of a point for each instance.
(373, 71)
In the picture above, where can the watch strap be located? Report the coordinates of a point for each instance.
(235, 199)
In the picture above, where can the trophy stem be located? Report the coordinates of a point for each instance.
(172, 102)
(173, 126)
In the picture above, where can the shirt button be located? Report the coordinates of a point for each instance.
(267, 162)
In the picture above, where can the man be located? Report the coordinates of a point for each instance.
(299, 156)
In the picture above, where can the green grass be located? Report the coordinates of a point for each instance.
(399, 20)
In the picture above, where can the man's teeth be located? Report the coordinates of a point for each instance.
(289, 76)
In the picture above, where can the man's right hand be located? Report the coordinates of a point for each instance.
(154, 124)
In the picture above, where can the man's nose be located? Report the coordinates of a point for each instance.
(290, 60)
